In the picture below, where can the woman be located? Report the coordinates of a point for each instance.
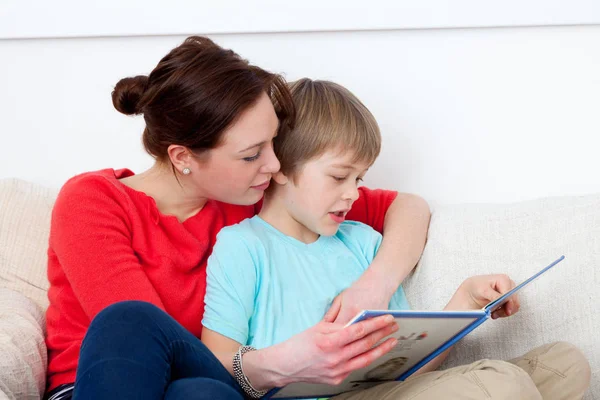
(116, 236)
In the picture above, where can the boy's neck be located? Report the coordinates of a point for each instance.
(275, 213)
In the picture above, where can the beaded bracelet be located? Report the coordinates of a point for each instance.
(241, 378)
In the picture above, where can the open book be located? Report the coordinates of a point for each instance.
(422, 336)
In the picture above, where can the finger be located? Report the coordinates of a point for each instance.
(334, 310)
(515, 301)
(499, 313)
(512, 304)
(368, 342)
(361, 329)
(489, 294)
(344, 315)
(329, 327)
(338, 379)
(509, 308)
(365, 359)
(516, 306)
(503, 283)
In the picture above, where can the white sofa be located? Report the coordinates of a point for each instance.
(464, 240)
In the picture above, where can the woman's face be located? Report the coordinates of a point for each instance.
(239, 170)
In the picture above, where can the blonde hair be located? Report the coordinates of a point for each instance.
(328, 118)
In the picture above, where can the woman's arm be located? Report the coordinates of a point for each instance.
(326, 353)
(90, 241)
(404, 233)
(221, 346)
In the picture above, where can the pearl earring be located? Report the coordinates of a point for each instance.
(186, 171)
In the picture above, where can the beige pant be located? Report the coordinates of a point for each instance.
(554, 371)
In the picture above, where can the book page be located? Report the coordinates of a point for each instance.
(417, 336)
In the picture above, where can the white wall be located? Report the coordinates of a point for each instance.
(468, 115)
(74, 18)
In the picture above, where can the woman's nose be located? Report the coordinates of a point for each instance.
(272, 164)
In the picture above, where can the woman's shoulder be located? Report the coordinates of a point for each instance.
(104, 178)
(88, 202)
(96, 187)
(96, 179)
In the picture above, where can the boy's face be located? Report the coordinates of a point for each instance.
(324, 191)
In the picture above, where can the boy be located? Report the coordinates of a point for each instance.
(276, 274)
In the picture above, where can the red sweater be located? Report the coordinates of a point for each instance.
(110, 243)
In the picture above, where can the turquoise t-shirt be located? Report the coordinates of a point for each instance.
(264, 287)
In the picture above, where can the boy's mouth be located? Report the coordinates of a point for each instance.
(338, 216)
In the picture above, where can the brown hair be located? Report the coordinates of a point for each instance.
(196, 92)
(328, 117)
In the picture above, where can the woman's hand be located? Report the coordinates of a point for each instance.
(367, 293)
(326, 353)
(475, 292)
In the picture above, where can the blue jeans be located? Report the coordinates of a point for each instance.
(134, 350)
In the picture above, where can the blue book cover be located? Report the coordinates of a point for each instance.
(422, 336)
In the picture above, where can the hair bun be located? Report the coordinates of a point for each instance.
(127, 94)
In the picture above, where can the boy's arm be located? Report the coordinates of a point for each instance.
(473, 294)
(404, 220)
(230, 289)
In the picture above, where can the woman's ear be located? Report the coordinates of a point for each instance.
(280, 178)
(180, 156)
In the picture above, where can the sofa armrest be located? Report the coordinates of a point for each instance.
(23, 354)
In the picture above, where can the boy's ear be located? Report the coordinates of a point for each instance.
(280, 178)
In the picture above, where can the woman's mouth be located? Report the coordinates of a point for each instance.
(262, 186)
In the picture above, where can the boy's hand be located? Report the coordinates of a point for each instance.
(475, 292)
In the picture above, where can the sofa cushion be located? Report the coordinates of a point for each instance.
(519, 239)
(23, 358)
(25, 210)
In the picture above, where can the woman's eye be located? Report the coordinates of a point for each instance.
(359, 179)
(339, 178)
(252, 158)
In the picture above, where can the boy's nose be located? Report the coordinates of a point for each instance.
(352, 194)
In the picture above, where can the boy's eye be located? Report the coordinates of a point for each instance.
(252, 158)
